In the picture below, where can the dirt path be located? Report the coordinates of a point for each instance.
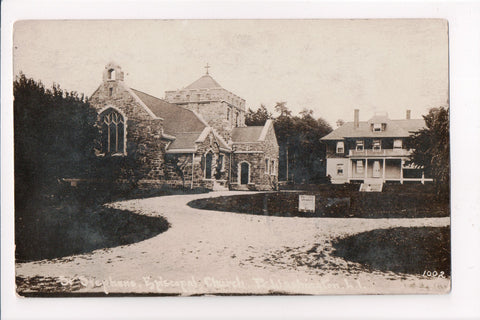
(220, 252)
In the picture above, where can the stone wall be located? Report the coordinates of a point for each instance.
(179, 166)
(145, 147)
(256, 154)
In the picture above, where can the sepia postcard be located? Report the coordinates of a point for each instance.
(231, 157)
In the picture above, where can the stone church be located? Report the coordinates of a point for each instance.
(194, 137)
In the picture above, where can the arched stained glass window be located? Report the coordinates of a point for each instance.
(113, 132)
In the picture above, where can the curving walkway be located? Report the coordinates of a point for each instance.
(219, 252)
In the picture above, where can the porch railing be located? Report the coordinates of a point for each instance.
(379, 153)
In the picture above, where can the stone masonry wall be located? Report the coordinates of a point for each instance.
(145, 147)
(179, 166)
(260, 177)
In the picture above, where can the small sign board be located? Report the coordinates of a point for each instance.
(306, 203)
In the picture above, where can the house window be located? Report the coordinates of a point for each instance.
(113, 132)
(377, 127)
(377, 146)
(340, 147)
(267, 166)
(340, 169)
(397, 143)
(359, 145)
(360, 166)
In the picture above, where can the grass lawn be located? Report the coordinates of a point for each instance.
(59, 232)
(340, 203)
(72, 220)
(424, 250)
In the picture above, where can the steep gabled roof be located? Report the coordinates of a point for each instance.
(246, 134)
(205, 82)
(184, 141)
(187, 141)
(176, 118)
(394, 128)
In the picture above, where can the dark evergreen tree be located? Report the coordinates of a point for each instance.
(431, 149)
(54, 135)
(257, 118)
(301, 153)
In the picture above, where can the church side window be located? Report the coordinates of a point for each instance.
(228, 114)
(221, 161)
(113, 132)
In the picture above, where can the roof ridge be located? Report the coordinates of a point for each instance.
(148, 94)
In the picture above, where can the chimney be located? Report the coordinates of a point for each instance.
(356, 118)
(408, 114)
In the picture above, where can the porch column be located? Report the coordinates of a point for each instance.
(383, 176)
(402, 162)
(423, 177)
(193, 164)
(350, 170)
(366, 169)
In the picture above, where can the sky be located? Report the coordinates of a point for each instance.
(329, 66)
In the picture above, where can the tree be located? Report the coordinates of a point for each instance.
(257, 118)
(301, 153)
(431, 149)
(54, 134)
(281, 107)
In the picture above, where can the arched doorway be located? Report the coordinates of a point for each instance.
(244, 173)
(208, 165)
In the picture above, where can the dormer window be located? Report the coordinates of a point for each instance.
(397, 143)
(377, 145)
(340, 147)
(377, 127)
(359, 145)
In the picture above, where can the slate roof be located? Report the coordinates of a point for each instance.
(394, 128)
(246, 134)
(176, 118)
(205, 82)
(184, 140)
